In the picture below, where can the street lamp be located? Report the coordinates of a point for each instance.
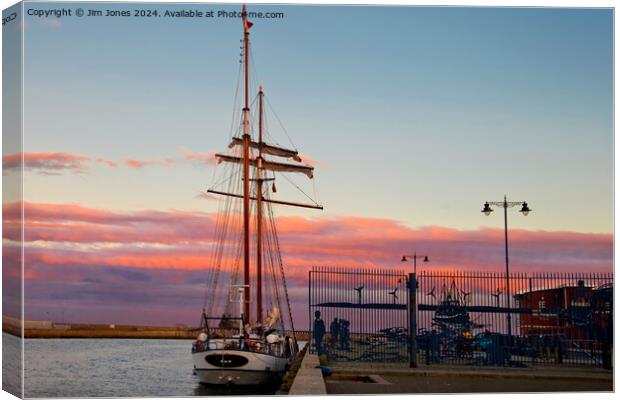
(415, 261)
(413, 307)
(525, 210)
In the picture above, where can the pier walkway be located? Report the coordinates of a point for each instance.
(398, 378)
(309, 378)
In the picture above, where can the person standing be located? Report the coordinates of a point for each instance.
(334, 329)
(318, 332)
(344, 334)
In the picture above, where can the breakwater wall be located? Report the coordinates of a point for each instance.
(49, 330)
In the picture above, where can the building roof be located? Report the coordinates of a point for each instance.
(565, 286)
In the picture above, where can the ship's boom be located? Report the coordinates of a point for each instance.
(267, 149)
(269, 165)
(282, 202)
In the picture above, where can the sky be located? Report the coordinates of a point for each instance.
(412, 116)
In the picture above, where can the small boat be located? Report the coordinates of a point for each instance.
(452, 316)
(247, 336)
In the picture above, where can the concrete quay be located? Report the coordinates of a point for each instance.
(535, 372)
(309, 378)
(379, 378)
(385, 379)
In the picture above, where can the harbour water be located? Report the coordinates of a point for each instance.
(11, 365)
(116, 368)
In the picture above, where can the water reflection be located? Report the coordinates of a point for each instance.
(145, 368)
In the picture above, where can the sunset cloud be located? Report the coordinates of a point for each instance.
(187, 156)
(77, 224)
(46, 163)
(343, 240)
(109, 163)
(310, 161)
(58, 163)
(52, 163)
(200, 158)
(139, 164)
(67, 243)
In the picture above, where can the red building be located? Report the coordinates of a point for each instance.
(562, 310)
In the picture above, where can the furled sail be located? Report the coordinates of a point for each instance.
(273, 317)
(270, 165)
(268, 149)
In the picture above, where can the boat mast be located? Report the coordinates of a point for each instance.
(259, 212)
(246, 170)
(260, 164)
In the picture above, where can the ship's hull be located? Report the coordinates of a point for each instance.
(238, 367)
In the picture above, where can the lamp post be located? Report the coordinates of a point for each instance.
(415, 260)
(413, 307)
(487, 210)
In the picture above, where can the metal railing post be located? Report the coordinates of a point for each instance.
(413, 305)
(310, 310)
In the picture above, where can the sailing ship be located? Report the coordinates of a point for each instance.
(247, 335)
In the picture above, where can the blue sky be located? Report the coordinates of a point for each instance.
(417, 114)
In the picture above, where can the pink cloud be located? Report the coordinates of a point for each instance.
(139, 164)
(310, 161)
(46, 163)
(101, 249)
(207, 159)
(57, 163)
(184, 236)
(187, 155)
(52, 163)
(109, 163)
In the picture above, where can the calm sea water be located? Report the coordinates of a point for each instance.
(11, 364)
(114, 368)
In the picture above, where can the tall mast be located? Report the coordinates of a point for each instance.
(246, 170)
(259, 212)
(275, 165)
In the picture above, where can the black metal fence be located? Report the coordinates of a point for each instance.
(363, 314)
(462, 318)
(485, 318)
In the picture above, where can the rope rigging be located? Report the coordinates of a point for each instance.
(226, 262)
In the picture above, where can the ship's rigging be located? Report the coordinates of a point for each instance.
(247, 177)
